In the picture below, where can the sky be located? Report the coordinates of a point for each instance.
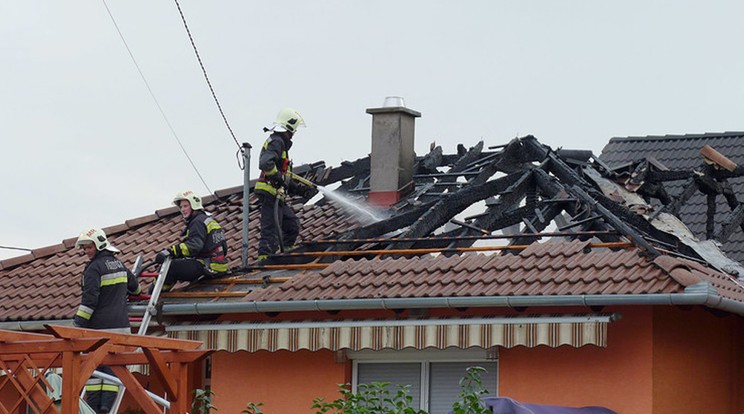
(84, 143)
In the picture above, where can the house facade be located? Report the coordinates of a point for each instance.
(549, 268)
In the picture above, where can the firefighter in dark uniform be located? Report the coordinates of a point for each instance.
(278, 218)
(106, 282)
(203, 251)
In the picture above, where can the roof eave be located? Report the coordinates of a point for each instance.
(699, 294)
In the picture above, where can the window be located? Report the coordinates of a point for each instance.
(433, 376)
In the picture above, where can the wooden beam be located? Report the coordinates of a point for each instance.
(715, 157)
(91, 361)
(53, 345)
(159, 368)
(72, 383)
(7, 336)
(138, 392)
(124, 339)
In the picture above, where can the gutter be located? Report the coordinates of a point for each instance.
(33, 326)
(698, 294)
(702, 294)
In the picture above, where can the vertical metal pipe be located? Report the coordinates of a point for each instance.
(246, 194)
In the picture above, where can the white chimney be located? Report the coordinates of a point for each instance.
(392, 158)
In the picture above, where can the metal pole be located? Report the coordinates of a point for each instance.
(246, 194)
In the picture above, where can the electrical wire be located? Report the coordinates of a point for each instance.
(147, 84)
(206, 77)
(16, 248)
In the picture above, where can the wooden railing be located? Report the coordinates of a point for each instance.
(25, 357)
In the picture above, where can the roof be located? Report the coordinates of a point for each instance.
(45, 284)
(550, 268)
(474, 224)
(682, 152)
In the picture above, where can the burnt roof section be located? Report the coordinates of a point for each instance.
(503, 200)
(660, 158)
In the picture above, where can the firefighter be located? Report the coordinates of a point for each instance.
(106, 282)
(203, 251)
(279, 223)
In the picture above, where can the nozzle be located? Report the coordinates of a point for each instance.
(302, 179)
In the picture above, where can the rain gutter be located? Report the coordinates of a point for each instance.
(699, 294)
(33, 326)
(702, 294)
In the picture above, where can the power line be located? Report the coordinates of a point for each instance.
(16, 248)
(204, 71)
(147, 84)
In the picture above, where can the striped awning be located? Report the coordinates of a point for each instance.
(529, 331)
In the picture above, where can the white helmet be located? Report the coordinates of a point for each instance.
(289, 120)
(97, 237)
(193, 199)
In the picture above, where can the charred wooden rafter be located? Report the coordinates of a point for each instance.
(558, 190)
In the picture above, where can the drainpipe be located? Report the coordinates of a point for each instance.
(246, 150)
(392, 157)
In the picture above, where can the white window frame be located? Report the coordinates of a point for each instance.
(425, 358)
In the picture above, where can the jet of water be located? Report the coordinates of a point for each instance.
(353, 206)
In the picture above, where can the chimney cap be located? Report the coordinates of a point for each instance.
(394, 101)
(394, 104)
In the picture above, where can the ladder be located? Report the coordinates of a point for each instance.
(145, 323)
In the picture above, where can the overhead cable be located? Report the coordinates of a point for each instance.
(16, 248)
(206, 77)
(173, 131)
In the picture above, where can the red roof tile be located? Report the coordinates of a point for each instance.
(551, 268)
(45, 284)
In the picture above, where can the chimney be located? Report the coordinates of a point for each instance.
(392, 158)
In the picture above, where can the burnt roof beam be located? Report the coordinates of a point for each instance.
(736, 219)
(710, 216)
(544, 216)
(615, 221)
(508, 199)
(452, 204)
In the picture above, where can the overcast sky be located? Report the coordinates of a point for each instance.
(83, 143)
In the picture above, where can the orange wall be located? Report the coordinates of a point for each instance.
(697, 363)
(658, 360)
(286, 382)
(617, 377)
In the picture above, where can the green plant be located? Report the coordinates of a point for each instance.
(471, 389)
(202, 403)
(252, 408)
(373, 398)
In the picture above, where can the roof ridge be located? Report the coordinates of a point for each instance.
(704, 135)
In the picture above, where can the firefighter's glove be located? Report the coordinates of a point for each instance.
(160, 257)
(276, 180)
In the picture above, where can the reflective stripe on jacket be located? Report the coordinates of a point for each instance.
(204, 239)
(274, 159)
(105, 283)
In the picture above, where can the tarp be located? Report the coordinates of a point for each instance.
(501, 405)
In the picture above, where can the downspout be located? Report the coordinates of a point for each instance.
(246, 150)
(699, 294)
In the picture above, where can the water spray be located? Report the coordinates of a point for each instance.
(343, 200)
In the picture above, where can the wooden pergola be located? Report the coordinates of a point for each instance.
(25, 357)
